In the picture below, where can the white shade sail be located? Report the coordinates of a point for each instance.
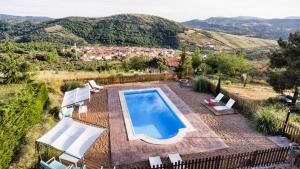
(71, 137)
(76, 95)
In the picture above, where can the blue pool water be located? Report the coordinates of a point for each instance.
(151, 115)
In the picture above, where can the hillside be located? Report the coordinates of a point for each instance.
(222, 41)
(249, 26)
(138, 30)
(125, 30)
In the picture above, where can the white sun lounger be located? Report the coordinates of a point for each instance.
(228, 105)
(94, 85)
(175, 158)
(154, 161)
(215, 100)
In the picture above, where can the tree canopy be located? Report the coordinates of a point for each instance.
(285, 65)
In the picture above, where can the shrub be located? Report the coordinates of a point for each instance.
(266, 120)
(17, 116)
(202, 84)
(70, 86)
(49, 57)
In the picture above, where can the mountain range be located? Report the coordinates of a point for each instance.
(249, 26)
(122, 30)
(16, 19)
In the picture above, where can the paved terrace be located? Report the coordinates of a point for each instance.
(234, 129)
(124, 151)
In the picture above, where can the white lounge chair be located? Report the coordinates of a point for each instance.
(175, 158)
(94, 85)
(155, 161)
(228, 105)
(215, 100)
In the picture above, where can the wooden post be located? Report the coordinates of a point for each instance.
(286, 121)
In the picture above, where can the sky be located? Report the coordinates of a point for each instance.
(178, 10)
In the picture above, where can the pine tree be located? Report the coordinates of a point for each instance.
(285, 65)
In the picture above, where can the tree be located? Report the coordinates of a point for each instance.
(139, 63)
(14, 67)
(227, 64)
(196, 59)
(285, 65)
(185, 64)
(160, 63)
(218, 88)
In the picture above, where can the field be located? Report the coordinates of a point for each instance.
(251, 91)
(50, 76)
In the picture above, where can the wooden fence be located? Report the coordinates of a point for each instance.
(291, 131)
(129, 78)
(241, 160)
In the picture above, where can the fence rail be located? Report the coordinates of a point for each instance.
(129, 78)
(291, 131)
(241, 160)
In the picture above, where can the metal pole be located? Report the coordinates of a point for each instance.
(286, 120)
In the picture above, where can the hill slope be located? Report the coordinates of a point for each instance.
(139, 30)
(222, 41)
(125, 30)
(249, 26)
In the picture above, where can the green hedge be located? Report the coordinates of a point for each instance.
(18, 115)
(202, 84)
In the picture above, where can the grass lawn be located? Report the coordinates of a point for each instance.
(251, 91)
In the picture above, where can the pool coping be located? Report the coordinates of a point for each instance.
(129, 126)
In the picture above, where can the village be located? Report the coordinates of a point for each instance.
(109, 53)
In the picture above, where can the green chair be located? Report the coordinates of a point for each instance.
(53, 164)
(67, 112)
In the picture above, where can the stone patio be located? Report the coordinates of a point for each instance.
(235, 130)
(124, 151)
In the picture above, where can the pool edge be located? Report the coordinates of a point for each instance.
(129, 126)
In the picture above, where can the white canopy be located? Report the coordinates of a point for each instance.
(76, 95)
(71, 137)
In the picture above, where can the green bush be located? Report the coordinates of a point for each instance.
(266, 120)
(18, 115)
(202, 84)
(50, 57)
(70, 86)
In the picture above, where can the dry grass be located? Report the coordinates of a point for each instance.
(251, 91)
(50, 76)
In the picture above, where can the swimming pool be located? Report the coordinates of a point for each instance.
(151, 116)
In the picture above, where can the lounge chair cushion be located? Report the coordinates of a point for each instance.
(219, 97)
(154, 161)
(228, 105)
(220, 108)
